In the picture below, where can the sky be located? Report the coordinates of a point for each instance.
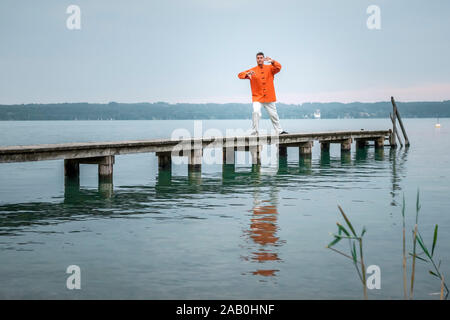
(192, 50)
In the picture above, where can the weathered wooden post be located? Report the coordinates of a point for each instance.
(105, 169)
(255, 149)
(164, 160)
(282, 151)
(228, 155)
(397, 115)
(305, 149)
(324, 146)
(360, 143)
(228, 151)
(195, 160)
(71, 178)
(379, 143)
(396, 133)
(346, 145)
(71, 168)
(392, 140)
(105, 188)
(255, 152)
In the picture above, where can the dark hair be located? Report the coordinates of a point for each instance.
(260, 54)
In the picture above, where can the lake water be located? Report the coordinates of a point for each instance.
(251, 233)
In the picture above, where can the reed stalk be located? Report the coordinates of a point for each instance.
(405, 294)
(413, 267)
(363, 269)
(350, 234)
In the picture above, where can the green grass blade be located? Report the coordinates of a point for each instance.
(347, 221)
(422, 245)
(417, 206)
(354, 253)
(332, 243)
(434, 239)
(417, 257)
(341, 228)
(434, 274)
(403, 206)
(363, 231)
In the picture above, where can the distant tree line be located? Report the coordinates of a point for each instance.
(163, 110)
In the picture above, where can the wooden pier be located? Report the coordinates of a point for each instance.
(103, 153)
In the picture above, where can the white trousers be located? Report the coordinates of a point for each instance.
(271, 109)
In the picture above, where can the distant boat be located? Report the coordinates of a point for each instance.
(437, 125)
(317, 114)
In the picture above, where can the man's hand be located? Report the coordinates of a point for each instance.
(269, 59)
(250, 73)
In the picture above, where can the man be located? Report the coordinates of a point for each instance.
(263, 91)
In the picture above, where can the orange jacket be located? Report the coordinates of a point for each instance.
(262, 81)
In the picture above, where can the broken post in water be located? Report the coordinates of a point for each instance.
(396, 115)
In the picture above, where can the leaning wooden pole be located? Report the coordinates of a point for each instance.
(396, 133)
(397, 114)
(392, 140)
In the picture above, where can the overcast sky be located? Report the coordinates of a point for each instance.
(192, 50)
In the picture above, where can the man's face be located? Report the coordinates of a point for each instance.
(260, 59)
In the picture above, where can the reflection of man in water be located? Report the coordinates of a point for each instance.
(263, 91)
(263, 229)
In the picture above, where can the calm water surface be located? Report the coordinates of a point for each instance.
(250, 233)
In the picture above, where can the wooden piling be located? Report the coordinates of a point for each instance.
(360, 143)
(195, 159)
(229, 151)
(228, 155)
(397, 115)
(164, 160)
(255, 152)
(105, 169)
(324, 146)
(71, 168)
(379, 143)
(396, 133)
(282, 151)
(346, 145)
(392, 140)
(305, 149)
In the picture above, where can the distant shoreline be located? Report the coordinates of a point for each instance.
(215, 111)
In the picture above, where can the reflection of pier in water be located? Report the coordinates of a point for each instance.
(125, 200)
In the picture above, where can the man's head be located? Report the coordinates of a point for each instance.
(260, 58)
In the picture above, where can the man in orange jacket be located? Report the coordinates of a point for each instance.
(263, 91)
